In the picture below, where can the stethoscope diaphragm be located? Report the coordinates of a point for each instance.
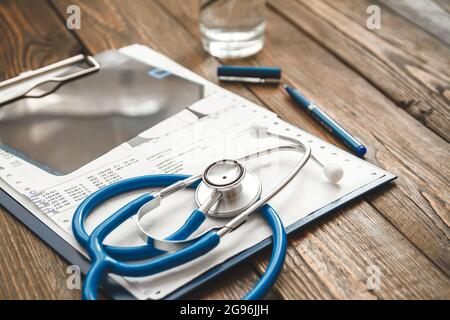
(238, 188)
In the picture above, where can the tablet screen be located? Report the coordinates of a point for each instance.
(85, 118)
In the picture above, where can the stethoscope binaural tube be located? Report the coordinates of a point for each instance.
(106, 193)
(103, 262)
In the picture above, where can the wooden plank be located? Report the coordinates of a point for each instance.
(31, 37)
(111, 24)
(29, 40)
(427, 14)
(397, 142)
(231, 285)
(401, 60)
(443, 4)
(415, 195)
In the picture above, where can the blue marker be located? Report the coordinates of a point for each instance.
(327, 122)
(249, 74)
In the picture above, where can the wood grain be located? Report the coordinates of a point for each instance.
(139, 14)
(443, 4)
(426, 14)
(31, 37)
(338, 87)
(401, 60)
(322, 48)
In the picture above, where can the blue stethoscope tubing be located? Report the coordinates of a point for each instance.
(113, 259)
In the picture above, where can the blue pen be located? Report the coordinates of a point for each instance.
(327, 122)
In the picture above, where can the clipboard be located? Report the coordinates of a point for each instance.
(8, 199)
(11, 89)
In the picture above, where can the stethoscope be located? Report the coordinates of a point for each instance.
(224, 189)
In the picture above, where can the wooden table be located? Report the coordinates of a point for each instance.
(390, 87)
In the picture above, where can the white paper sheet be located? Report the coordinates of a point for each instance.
(184, 144)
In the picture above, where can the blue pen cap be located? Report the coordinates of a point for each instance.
(250, 72)
(361, 151)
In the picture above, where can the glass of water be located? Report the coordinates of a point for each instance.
(232, 28)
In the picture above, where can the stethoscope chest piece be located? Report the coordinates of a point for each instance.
(230, 186)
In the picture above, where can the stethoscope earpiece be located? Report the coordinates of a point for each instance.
(333, 172)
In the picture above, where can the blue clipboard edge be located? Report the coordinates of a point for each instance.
(114, 290)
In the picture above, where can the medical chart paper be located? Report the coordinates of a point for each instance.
(213, 128)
